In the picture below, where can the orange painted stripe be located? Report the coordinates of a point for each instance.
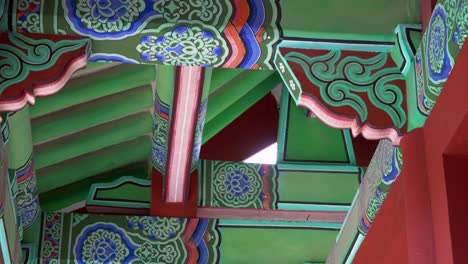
(237, 46)
(242, 12)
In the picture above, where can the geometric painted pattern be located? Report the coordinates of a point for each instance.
(444, 38)
(127, 239)
(221, 33)
(385, 167)
(348, 89)
(237, 185)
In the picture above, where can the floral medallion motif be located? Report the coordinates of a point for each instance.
(159, 253)
(108, 19)
(237, 185)
(439, 61)
(191, 45)
(207, 11)
(103, 243)
(157, 228)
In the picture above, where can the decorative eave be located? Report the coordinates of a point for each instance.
(352, 85)
(27, 58)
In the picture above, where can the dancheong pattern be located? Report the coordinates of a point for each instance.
(160, 128)
(127, 239)
(382, 172)
(27, 197)
(444, 37)
(238, 185)
(192, 32)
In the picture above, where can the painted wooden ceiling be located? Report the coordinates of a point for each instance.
(99, 126)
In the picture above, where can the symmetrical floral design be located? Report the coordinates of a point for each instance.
(207, 11)
(108, 18)
(236, 184)
(157, 228)
(159, 253)
(445, 36)
(103, 243)
(190, 45)
(439, 60)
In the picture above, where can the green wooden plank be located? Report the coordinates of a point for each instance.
(92, 140)
(275, 245)
(234, 91)
(92, 114)
(84, 89)
(317, 187)
(91, 164)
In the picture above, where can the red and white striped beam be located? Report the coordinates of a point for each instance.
(182, 132)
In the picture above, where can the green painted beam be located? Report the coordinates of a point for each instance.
(243, 104)
(78, 191)
(320, 187)
(87, 88)
(165, 83)
(91, 114)
(275, 245)
(93, 139)
(234, 91)
(222, 76)
(94, 163)
(372, 20)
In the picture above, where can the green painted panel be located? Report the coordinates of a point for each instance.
(84, 89)
(19, 144)
(222, 76)
(308, 139)
(165, 83)
(126, 192)
(357, 19)
(93, 140)
(317, 187)
(93, 114)
(275, 245)
(87, 166)
(79, 190)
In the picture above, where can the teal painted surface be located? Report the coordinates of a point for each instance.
(361, 19)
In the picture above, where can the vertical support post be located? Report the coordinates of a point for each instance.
(21, 164)
(10, 250)
(180, 109)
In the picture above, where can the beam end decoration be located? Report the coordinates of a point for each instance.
(238, 185)
(348, 89)
(435, 58)
(27, 58)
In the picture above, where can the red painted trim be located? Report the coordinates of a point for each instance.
(184, 118)
(341, 122)
(278, 215)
